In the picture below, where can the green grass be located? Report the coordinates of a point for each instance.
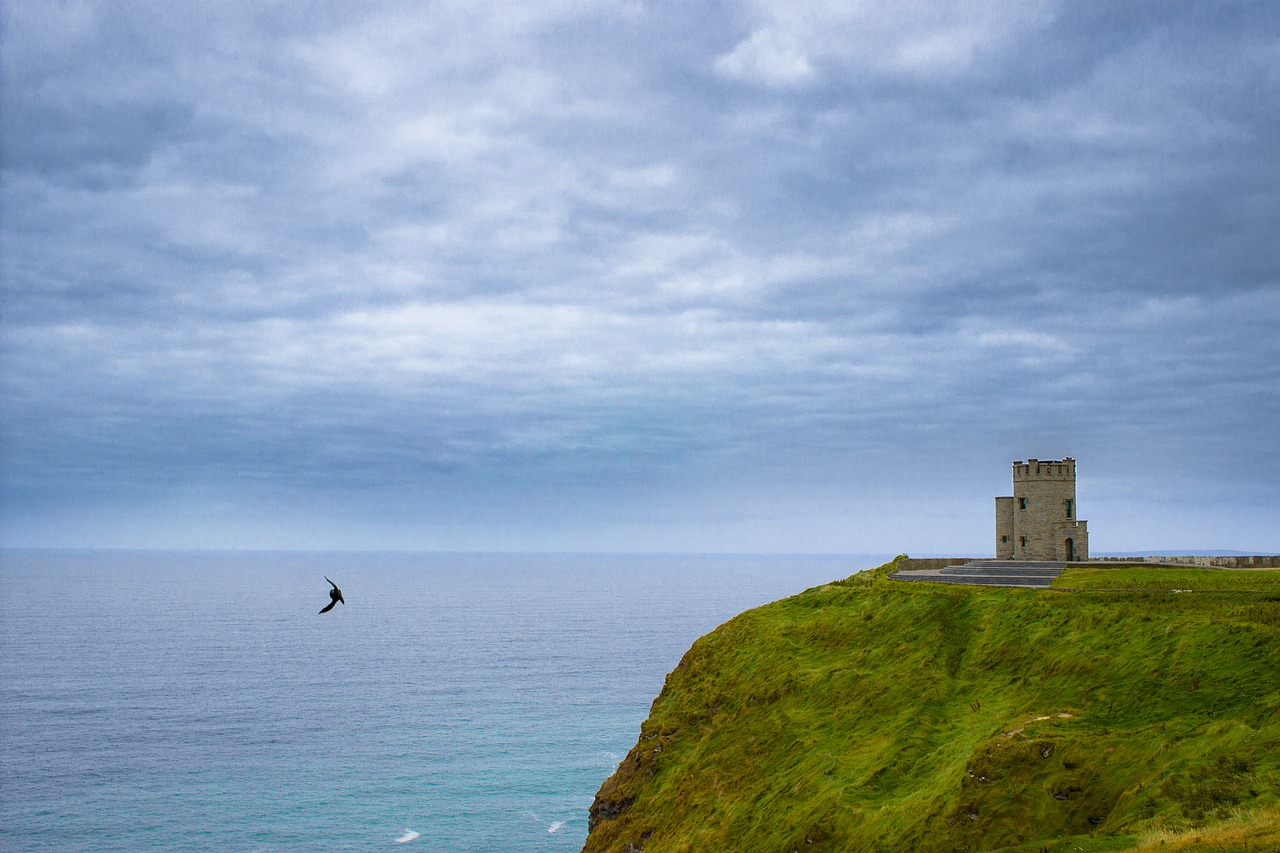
(1147, 577)
(869, 714)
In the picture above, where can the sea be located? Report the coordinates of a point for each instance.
(456, 703)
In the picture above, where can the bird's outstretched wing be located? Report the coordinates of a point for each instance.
(335, 595)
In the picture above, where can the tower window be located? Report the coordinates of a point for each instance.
(1004, 538)
(1022, 540)
(1069, 502)
(1022, 503)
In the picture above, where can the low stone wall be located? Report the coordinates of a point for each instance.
(933, 563)
(1255, 562)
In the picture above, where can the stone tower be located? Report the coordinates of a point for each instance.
(1039, 522)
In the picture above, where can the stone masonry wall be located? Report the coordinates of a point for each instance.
(911, 564)
(1044, 497)
(1071, 540)
(1004, 528)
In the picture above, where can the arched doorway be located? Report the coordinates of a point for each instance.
(1071, 550)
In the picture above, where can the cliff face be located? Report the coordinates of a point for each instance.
(874, 715)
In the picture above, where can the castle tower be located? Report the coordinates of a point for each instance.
(1039, 522)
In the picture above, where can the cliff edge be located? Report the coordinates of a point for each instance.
(1119, 712)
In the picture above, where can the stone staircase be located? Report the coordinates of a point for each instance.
(1023, 573)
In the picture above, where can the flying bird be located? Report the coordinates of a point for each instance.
(335, 595)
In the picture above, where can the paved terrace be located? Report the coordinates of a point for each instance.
(1033, 575)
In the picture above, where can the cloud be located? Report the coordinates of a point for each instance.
(813, 41)
(617, 259)
(769, 57)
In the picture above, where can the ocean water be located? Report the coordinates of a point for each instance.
(456, 703)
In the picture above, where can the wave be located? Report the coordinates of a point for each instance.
(408, 836)
(553, 826)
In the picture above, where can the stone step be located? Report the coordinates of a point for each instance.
(981, 580)
(1021, 573)
(1019, 564)
(977, 570)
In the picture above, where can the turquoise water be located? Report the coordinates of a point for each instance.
(197, 701)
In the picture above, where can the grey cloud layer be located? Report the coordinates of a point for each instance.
(504, 248)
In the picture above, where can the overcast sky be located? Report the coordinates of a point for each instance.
(639, 276)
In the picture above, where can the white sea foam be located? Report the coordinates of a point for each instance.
(553, 826)
(408, 836)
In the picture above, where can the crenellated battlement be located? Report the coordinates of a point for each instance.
(1045, 469)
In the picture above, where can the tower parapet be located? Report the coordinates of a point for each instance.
(1045, 469)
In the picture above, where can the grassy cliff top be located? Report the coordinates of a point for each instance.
(868, 714)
